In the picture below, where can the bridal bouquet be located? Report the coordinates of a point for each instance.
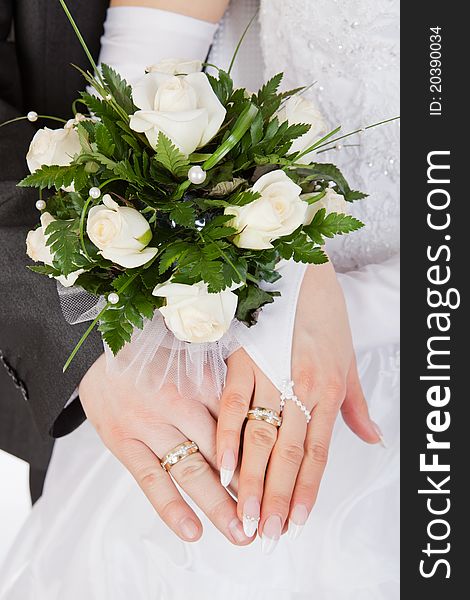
(181, 195)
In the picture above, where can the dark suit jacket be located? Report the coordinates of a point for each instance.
(35, 340)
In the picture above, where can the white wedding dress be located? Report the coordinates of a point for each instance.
(94, 536)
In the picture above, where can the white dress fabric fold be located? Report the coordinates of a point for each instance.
(93, 534)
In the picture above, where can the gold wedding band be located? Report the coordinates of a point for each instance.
(179, 452)
(258, 413)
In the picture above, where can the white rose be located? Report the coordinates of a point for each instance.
(184, 108)
(195, 315)
(300, 110)
(37, 249)
(121, 233)
(54, 146)
(176, 66)
(331, 201)
(278, 212)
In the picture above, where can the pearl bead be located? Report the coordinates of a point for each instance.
(113, 298)
(197, 175)
(338, 147)
(108, 97)
(40, 205)
(94, 192)
(32, 116)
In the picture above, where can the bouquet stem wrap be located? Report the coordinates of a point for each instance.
(154, 357)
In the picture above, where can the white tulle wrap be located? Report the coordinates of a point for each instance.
(154, 357)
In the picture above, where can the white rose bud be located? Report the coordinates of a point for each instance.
(54, 146)
(176, 66)
(300, 110)
(195, 315)
(121, 233)
(184, 108)
(38, 251)
(331, 202)
(278, 212)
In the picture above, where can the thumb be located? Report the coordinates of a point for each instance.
(356, 413)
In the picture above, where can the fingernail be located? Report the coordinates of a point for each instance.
(189, 529)
(227, 467)
(378, 431)
(251, 510)
(271, 534)
(297, 521)
(236, 531)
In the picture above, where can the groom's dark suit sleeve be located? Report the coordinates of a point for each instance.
(35, 340)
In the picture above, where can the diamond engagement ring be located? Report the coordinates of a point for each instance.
(268, 415)
(178, 453)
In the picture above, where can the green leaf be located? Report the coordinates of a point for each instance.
(269, 89)
(104, 140)
(183, 214)
(295, 131)
(119, 88)
(222, 86)
(98, 107)
(312, 198)
(212, 273)
(125, 171)
(268, 99)
(265, 264)
(44, 270)
(115, 329)
(330, 172)
(251, 299)
(144, 304)
(293, 92)
(50, 177)
(235, 272)
(243, 198)
(80, 178)
(300, 249)
(135, 304)
(328, 225)
(171, 254)
(63, 239)
(95, 282)
(218, 228)
(257, 129)
(133, 143)
(170, 157)
(65, 206)
(354, 195)
(240, 127)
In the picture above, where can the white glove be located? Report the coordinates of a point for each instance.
(137, 37)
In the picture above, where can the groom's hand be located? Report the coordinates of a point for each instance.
(140, 427)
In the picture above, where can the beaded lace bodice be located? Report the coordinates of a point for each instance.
(350, 48)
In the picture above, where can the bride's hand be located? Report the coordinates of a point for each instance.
(281, 469)
(141, 427)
